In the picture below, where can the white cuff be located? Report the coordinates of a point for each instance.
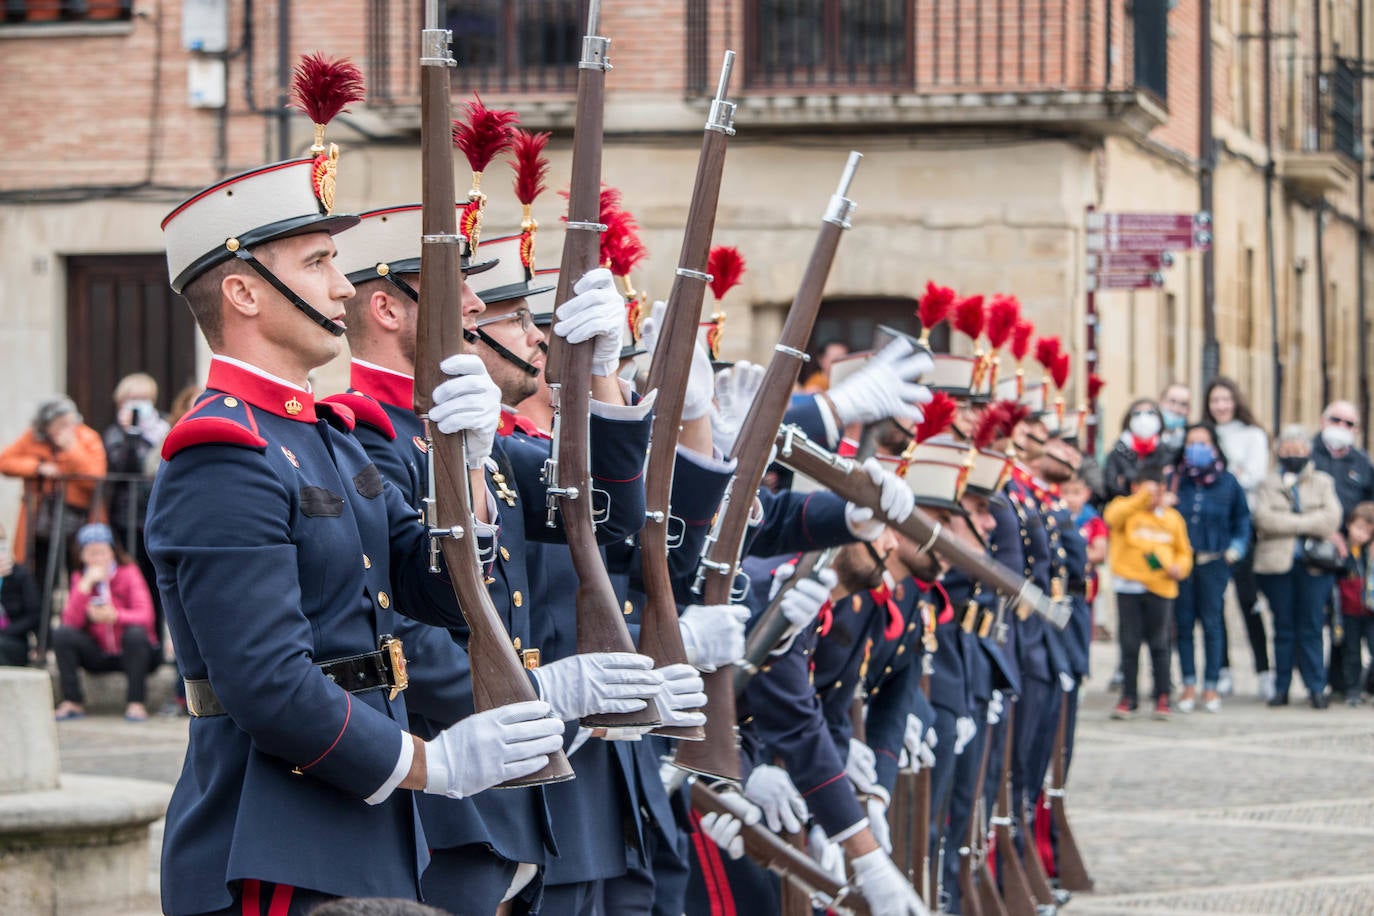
(626, 411)
(832, 433)
(851, 830)
(403, 762)
(707, 462)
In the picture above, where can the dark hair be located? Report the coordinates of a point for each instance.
(1243, 413)
(1363, 511)
(1136, 405)
(1150, 472)
(1211, 432)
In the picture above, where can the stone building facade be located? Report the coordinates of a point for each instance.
(989, 127)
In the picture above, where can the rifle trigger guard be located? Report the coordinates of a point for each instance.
(739, 588)
(601, 505)
(677, 530)
(690, 274)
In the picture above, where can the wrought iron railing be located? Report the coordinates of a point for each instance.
(1322, 112)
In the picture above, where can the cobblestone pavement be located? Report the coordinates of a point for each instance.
(1252, 811)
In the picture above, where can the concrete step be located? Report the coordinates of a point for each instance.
(107, 693)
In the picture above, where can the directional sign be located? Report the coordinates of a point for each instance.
(1145, 242)
(1148, 222)
(1130, 261)
(1124, 281)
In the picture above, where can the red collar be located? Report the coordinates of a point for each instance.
(512, 422)
(386, 386)
(261, 392)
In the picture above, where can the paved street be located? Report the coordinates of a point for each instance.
(1253, 811)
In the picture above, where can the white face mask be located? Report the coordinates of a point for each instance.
(1338, 438)
(1145, 425)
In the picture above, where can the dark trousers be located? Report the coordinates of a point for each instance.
(261, 898)
(1200, 600)
(1247, 594)
(1297, 600)
(76, 649)
(961, 800)
(1143, 618)
(14, 652)
(1359, 631)
(468, 880)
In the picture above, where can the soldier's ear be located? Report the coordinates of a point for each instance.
(387, 310)
(242, 293)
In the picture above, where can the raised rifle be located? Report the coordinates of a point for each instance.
(600, 624)
(845, 478)
(1016, 891)
(659, 636)
(498, 677)
(770, 851)
(1072, 872)
(771, 629)
(718, 755)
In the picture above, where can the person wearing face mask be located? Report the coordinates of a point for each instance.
(1214, 506)
(1175, 406)
(1141, 441)
(1296, 510)
(19, 603)
(1246, 447)
(1334, 451)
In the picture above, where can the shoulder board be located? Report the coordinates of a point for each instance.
(337, 415)
(216, 420)
(366, 410)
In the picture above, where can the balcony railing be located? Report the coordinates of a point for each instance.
(1322, 113)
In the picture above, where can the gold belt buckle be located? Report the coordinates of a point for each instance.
(400, 679)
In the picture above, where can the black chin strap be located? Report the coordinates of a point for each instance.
(333, 327)
(403, 286)
(508, 356)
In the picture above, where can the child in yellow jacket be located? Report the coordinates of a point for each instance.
(1148, 554)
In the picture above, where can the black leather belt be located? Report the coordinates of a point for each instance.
(384, 669)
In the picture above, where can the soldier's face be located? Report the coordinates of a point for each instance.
(305, 263)
(510, 325)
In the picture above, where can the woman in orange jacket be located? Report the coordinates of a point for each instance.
(57, 445)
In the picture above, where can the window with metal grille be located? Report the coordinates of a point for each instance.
(828, 43)
(41, 11)
(517, 45)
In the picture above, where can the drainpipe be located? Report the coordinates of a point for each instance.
(1270, 256)
(1207, 156)
(283, 79)
(1320, 217)
(1362, 231)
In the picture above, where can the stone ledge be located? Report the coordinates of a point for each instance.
(83, 804)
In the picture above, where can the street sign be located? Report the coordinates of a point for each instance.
(1148, 222)
(1129, 261)
(1149, 241)
(1096, 282)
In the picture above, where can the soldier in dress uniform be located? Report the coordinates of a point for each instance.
(283, 555)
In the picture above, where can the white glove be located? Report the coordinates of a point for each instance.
(996, 706)
(896, 500)
(861, 766)
(1067, 682)
(829, 856)
(491, 747)
(885, 387)
(735, 390)
(598, 682)
(887, 892)
(919, 743)
(804, 600)
(682, 690)
(701, 381)
(964, 731)
(596, 310)
(724, 829)
(713, 634)
(783, 807)
(877, 822)
(469, 402)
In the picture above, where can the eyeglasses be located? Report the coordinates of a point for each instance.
(521, 315)
(1342, 421)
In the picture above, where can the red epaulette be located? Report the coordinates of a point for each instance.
(336, 415)
(366, 410)
(512, 422)
(240, 427)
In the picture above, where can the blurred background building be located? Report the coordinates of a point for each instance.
(989, 128)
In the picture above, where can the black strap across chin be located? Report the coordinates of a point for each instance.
(508, 356)
(333, 327)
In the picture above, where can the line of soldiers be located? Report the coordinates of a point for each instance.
(337, 748)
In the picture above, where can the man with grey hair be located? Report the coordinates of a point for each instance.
(1334, 451)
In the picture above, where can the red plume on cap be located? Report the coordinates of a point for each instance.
(1013, 413)
(323, 86)
(530, 166)
(1046, 350)
(726, 266)
(1020, 339)
(1003, 314)
(1059, 372)
(621, 247)
(989, 427)
(934, 306)
(483, 133)
(938, 416)
(968, 316)
(1095, 385)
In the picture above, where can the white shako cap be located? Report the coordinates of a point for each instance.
(509, 278)
(387, 241)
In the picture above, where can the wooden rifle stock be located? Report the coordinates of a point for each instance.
(770, 630)
(600, 624)
(1073, 872)
(770, 851)
(845, 478)
(989, 901)
(498, 677)
(1035, 869)
(659, 636)
(901, 826)
(1016, 891)
(795, 900)
(718, 755)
